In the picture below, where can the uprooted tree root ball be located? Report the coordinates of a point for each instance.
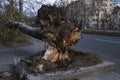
(77, 59)
(60, 31)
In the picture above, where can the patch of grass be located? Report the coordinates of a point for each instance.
(13, 37)
(90, 56)
(98, 32)
(93, 57)
(87, 58)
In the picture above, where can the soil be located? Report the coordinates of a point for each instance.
(77, 60)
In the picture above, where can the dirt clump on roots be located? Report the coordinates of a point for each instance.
(77, 60)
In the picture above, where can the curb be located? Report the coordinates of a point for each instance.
(69, 74)
(5, 68)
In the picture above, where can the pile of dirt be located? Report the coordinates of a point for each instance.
(77, 60)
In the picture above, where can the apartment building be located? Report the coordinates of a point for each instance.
(102, 8)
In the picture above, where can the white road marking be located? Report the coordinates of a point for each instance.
(108, 41)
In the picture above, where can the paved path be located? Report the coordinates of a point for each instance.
(108, 76)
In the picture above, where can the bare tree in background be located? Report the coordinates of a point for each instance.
(10, 8)
(97, 8)
(62, 3)
(116, 18)
(20, 6)
(79, 10)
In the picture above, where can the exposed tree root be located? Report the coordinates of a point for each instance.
(52, 54)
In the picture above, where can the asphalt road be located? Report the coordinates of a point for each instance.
(108, 47)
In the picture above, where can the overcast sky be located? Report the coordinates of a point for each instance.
(50, 1)
(31, 6)
(117, 0)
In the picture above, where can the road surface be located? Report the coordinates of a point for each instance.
(108, 47)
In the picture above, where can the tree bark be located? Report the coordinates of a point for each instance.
(31, 31)
(53, 54)
(20, 6)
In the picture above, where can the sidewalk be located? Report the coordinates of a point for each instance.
(6, 59)
(107, 76)
(5, 72)
(6, 68)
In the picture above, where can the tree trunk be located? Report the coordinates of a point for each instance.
(12, 3)
(52, 53)
(20, 6)
(12, 8)
(31, 31)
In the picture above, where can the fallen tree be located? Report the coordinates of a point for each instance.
(55, 29)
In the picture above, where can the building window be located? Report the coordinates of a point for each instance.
(104, 4)
(111, 4)
(94, 19)
(104, 10)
